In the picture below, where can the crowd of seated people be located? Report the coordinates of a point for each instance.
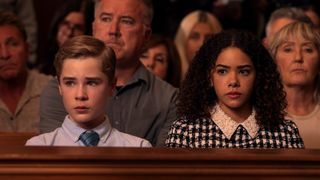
(161, 57)
(73, 18)
(105, 79)
(195, 28)
(20, 87)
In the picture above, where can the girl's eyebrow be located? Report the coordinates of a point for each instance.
(244, 66)
(239, 67)
(221, 65)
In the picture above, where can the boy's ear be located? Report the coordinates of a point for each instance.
(60, 91)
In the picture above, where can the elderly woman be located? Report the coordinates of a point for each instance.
(194, 29)
(295, 49)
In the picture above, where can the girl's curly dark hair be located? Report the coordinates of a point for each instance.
(197, 97)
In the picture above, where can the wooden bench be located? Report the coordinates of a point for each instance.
(14, 138)
(156, 163)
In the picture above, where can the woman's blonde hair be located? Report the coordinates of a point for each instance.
(296, 29)
(185, 27)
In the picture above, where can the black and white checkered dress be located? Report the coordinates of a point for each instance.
(204, 133)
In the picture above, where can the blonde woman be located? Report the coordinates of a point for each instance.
(296, 49)
(194, 29)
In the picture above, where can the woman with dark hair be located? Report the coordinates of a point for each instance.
(74, 18)
(160, 56)
(232, 97)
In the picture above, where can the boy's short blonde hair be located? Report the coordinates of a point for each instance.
(81, 47)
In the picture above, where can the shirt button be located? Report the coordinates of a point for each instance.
(117, 97)
(117, 122)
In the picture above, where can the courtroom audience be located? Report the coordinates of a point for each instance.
(195, 28)
(296, 51)
(142, 104)
(25, 11)
(73, 18)
(85, 69)
(232, 97)
(281, 17)
(312, 13)
(20, 87)
(161, 57)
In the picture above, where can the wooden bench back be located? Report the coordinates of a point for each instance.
(154, 163)
(14, 138)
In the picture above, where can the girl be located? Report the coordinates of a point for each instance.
(232, 97)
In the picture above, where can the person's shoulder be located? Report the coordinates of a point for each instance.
(187, 122)
(159, 84)
(164, 85)
(37, 83)
(39, 79)
(288, 124)
(40, 76)
(163, 91)
(181, 122)
(129, 140)
(52, 87)
(44, 139)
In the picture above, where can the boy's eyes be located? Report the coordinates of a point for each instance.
(92, 83)
(69, 83)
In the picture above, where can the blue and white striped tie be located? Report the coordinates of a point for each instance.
(89, 138)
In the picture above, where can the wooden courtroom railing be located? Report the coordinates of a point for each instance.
(14, 138)
(156, 163)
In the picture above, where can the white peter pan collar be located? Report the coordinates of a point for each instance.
(228, 126)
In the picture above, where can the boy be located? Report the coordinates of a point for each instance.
(85, 71)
